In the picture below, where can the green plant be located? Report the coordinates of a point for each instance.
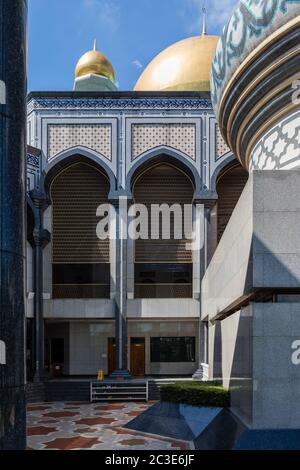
(196, 394)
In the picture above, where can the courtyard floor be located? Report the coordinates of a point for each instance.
(95, 426)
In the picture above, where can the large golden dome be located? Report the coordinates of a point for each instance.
(94, 62)
(184, 66)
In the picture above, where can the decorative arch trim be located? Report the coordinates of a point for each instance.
(165, 154)
(229, 160)
(74, 155)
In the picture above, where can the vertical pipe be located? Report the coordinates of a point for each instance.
(13, 16)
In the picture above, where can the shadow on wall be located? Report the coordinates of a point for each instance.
(235, 361)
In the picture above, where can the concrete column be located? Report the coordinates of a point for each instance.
(130, 263)
(13, 17)
(206, 238)
(198, 226)
(121, 288)
(41, 238)
(212, 230)
(113, 253)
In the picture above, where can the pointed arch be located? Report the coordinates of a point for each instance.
(74, 155)
(164, 154)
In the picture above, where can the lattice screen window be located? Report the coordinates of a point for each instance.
(179, 136)
(97, 137)
(76, 193)
(163, 184)
(221, 146)
(229, 189)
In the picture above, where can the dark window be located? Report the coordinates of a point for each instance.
(177, 349)
(81, 273)
(57, 350)
(164, 273)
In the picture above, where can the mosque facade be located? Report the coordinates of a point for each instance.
(226, 309)
(123, 304)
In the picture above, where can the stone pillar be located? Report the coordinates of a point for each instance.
(13, 17)
(211, 217)
(198, 218)
(204, 212)
(200, 227)
(130, 262)
(41, 238)
(121, 289)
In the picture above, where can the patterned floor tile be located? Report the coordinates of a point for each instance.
(74, 425)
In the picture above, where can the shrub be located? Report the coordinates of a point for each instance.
(196, 394)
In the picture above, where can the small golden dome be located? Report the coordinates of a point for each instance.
(184, 66)
(94, 62)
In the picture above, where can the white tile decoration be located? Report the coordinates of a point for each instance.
(96, 137)
(178, 136)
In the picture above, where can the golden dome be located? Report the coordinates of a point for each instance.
(94, 62)
(184, 66)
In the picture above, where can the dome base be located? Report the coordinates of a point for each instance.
(93, 82)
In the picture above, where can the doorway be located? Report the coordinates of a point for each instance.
(137, 357)
(57, 356)
(111, 355)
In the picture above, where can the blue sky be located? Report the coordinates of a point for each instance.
(129, 32)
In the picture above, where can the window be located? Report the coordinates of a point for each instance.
(81, 273)
(166, 273)
(178, 349)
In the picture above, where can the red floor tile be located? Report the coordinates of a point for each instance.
(92, 421)
(69, 443)
(40, 430)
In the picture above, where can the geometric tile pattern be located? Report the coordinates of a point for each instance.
(279, 148)
(93, 426)
(93, 136)
(119, 103)
(221, 146)
(179, 136)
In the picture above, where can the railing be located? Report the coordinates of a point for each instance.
(119, 391)
(163, 291)
(81, 291)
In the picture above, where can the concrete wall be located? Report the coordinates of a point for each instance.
(78, 308)
(88, 347)
(227, 277)
(276, 379)
(163, 308)
(251, 350)
(260, 247)
(87, 344)
(276, 238)
(230, 359)
(105, 308)
(169, 328)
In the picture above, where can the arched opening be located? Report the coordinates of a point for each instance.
(163, 264)
(230, 185)
(80, 261)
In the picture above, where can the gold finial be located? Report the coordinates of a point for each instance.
(204, 30)
(94, 62)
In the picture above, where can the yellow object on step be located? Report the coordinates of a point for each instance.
(100, 374)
